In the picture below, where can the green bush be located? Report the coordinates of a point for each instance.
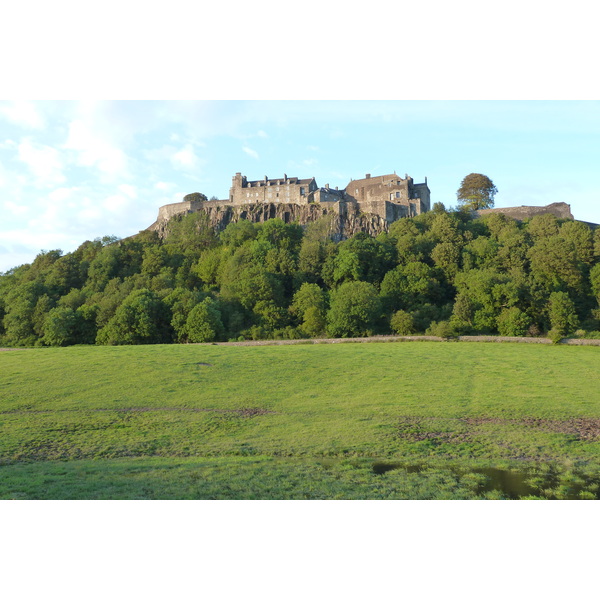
(513, 322)
(402, 323)
(442, 329)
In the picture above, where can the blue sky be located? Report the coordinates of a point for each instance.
(76, 170)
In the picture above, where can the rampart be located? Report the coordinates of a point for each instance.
(560, 210)
(345, 219)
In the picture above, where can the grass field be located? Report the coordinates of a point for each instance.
(418, 420)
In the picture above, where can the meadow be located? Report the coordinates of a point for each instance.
(413, 420)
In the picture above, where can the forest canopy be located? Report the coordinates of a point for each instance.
(442, 273)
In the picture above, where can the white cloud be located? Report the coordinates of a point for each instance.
(15, 209)
(164, 186)
(185, 158)
(262, 134)
(129, 190)
(93, 150)
(121, 202)
(23, 113)
(44, 162)
(250, 152)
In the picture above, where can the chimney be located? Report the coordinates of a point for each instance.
(336, 187)
(368, 176)
(326, 186)
(285, 177)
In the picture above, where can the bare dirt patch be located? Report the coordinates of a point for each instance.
(420, 428)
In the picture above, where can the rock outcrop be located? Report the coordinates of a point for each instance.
(345, 218)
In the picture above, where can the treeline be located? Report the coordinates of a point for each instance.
(441, 273)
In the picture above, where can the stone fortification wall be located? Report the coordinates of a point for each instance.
(346, 219)
(560, 210)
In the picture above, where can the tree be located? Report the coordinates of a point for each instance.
(204, 322)
(60, 326)
(355, 308)
(476, 191)
(309, 306)
(143, 318)
(563, 317)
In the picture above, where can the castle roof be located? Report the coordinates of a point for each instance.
(280, 181)
(378, 179)
(327, 190)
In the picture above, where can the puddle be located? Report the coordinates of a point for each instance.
(379, 468)
(514, 484)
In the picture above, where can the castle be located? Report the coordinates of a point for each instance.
(385, 199)
(389, 196)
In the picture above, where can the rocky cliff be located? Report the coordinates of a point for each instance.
(345, 218)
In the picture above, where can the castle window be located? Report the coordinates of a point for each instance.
(302, 191)
(397, 194)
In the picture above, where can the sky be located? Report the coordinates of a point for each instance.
(72, 171)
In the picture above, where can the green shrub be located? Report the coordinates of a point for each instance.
(441, 329)
(555, 335)
(402, 323)
(513, 322)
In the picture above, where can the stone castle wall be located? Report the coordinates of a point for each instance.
(560, 210)
(346, 219)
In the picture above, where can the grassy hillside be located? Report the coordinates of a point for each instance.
(379, 420)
